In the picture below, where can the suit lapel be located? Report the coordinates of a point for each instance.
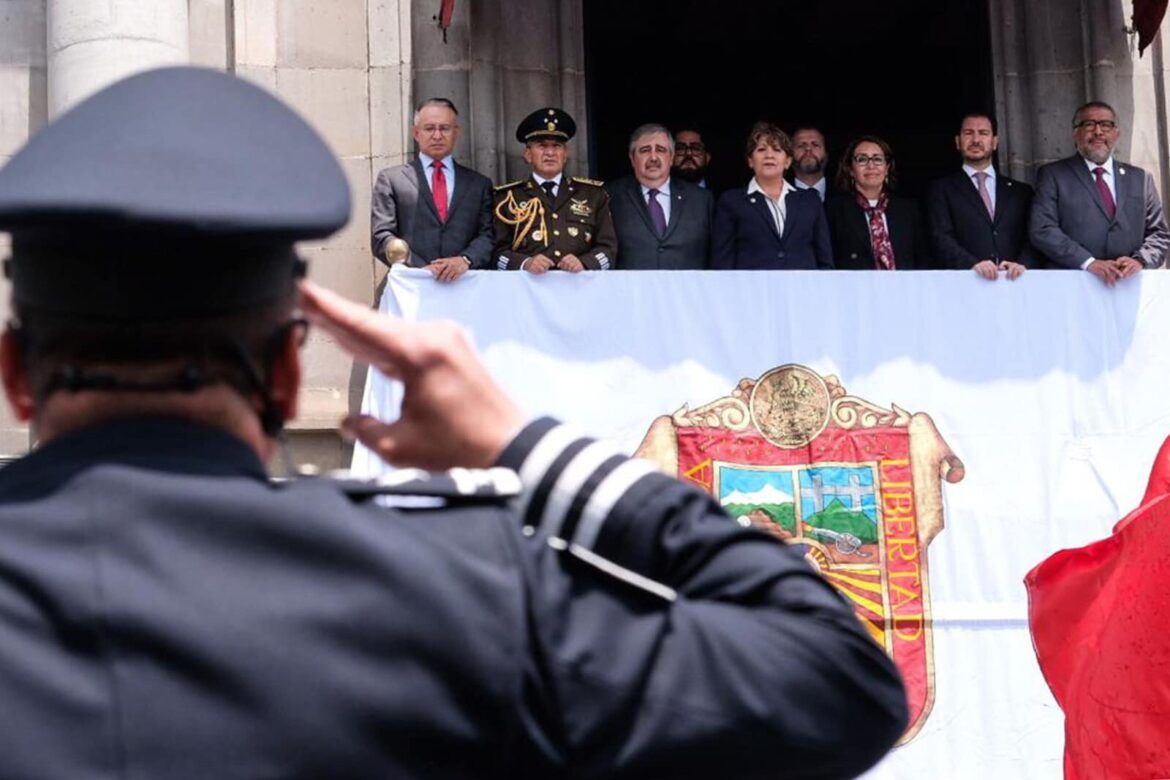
(860, 225)
(1122, 181)
(756, 203)
(677, 203)
(424, 188)
(634, 193)
(1081, 171)
(967, 190)
(460, 185)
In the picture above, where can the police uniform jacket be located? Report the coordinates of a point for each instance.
(577, 222)
(168, 612)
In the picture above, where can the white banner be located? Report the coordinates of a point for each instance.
(1051, 391)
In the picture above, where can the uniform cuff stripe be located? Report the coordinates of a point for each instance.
(608, 493)
(569, 484)
(538, 462)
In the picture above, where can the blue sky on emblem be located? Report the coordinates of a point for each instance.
(754, 486)
(853, 486)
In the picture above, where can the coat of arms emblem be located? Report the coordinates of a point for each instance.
(858, 487)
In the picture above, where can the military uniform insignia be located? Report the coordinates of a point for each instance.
(573, 231)
(857, 487)
(524, 217)
(580, 207)
(593, 182)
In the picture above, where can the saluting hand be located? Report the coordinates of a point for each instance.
(453, 412)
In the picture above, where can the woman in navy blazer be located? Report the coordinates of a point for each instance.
(747, 232)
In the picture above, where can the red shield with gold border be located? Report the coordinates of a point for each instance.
(858, 487)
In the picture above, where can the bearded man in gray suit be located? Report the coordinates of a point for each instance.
(441, 209)
(1094, 212)
(662, 222)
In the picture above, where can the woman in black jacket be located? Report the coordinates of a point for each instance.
(872, 228)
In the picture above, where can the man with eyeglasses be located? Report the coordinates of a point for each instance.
(691, 158)
(441, 209)
(662, 222)
(811, 158)
(1094, 212)
(978, 217)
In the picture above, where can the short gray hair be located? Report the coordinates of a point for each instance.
(649, 129)
(435, 102)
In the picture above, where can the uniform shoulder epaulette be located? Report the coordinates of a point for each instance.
(591, 182)
(509, 185)
(453, 487)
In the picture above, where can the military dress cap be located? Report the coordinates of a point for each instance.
(546, 124)
(176, 192)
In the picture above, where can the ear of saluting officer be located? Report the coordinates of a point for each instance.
(177, 192)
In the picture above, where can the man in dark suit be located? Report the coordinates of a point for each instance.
(978, 218)
(169, 612)
(1097, 213)
(662, 222)
(441, 209)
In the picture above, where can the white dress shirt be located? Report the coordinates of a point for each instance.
(448, 164)
(663, 198)
(556, 180)
(990, 171)
(778, 207)
(821, 187)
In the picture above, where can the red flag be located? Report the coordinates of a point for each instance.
(1099, 618)
(1147, 18)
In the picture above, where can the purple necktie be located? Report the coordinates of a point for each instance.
(981, 180)
(657, 215)
(1106, 195)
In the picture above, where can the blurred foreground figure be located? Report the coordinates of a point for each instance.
(167, 611)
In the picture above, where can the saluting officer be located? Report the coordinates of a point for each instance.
(550, 221)
(168, 612)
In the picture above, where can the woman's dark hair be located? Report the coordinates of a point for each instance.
(845, 181)
(766, 132)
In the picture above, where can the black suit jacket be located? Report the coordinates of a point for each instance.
(167, 612)
(963, 233)
(686, 244)
(404, 207)
(745, 234)
(849, 230)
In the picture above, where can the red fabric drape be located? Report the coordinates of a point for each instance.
(447, 8)
(1147, 18)
(1098, 617)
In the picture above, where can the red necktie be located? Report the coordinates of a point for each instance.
(439, 190)
(1106, 195)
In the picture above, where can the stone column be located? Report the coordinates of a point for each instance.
(502, 60)
(1051, 56)
(92, 44)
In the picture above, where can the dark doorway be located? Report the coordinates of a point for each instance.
(905, 70)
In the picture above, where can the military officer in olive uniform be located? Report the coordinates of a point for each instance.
(550, 221)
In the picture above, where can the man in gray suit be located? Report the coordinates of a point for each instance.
(1094, 212)
(441, 209)
(662, 222)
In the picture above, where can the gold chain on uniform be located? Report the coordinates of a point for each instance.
(523, 219)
